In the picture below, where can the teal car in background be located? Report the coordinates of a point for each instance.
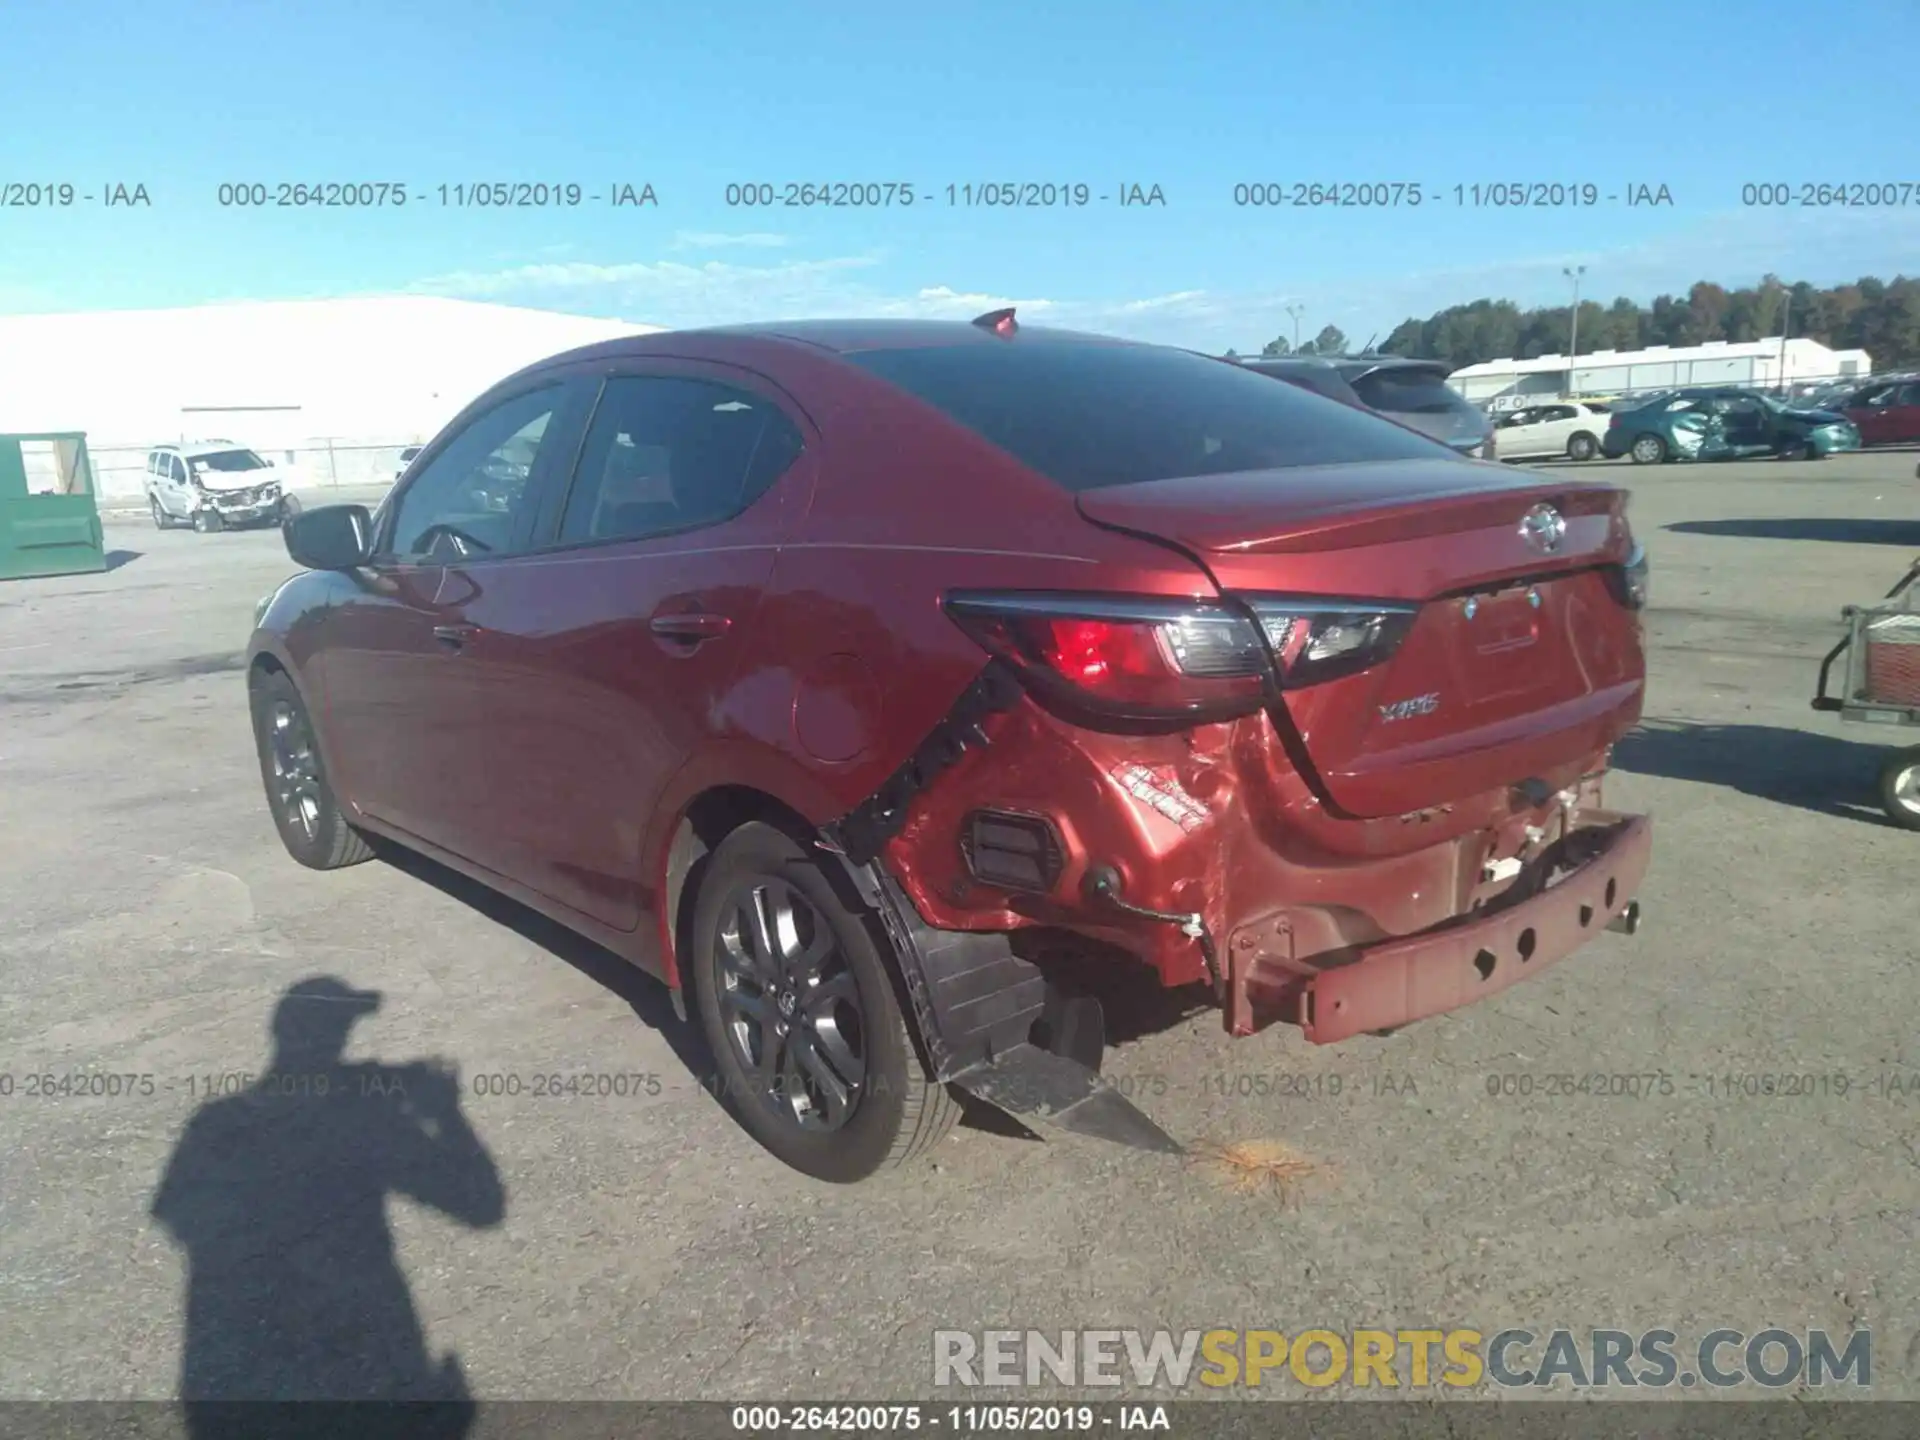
(1722, 424)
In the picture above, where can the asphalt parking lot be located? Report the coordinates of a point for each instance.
(639, 1245)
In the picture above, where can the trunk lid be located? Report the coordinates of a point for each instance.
(1520, 661)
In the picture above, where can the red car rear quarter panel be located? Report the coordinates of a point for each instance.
(854, 644)
(852, 661)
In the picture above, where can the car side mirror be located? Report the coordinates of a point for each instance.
(331, 537)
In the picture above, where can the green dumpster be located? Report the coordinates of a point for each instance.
(49, 515)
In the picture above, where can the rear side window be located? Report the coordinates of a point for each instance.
(1089, 416)
(666, 454)
(1411, 392)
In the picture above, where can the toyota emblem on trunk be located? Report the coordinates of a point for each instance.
(1544, 529)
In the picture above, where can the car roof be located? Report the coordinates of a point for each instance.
(840, 337)
(195, 448)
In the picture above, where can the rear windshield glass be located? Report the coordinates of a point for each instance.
(1411, 392)
(1089, 416)
(229, 460)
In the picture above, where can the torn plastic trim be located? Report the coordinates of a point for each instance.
(863, 832)
(975, 1004)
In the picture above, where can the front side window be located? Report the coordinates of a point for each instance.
(666, 454)
(469, 500)
(176, 469)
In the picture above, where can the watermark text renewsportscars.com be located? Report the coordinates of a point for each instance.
(1771, 1358)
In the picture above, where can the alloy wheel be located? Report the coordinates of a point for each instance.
(1905, 789)
(296, 768)
(1647, 449)
(790, 1006)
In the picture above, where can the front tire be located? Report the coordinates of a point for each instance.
(306, 812)
(1582, 447)
(800, 1010)
(208, 522)
(1648, 450)
(1900, 788)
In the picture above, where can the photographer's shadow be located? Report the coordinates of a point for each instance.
(277, 1193)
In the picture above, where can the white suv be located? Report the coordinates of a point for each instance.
(1560, 427)
(212, 485)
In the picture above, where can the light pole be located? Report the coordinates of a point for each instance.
(1786, 323)
(1296, 311)
(1573, 338)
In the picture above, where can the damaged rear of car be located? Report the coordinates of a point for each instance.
(1339, 758)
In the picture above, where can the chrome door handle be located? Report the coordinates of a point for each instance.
(452, 637)
(694, 627)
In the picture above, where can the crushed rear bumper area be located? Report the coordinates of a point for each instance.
(1398, 981)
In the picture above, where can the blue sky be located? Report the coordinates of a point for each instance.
(1192, 97)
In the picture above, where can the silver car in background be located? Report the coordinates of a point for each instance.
(1413, 392)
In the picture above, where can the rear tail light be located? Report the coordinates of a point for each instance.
(1122, 658)
(1316, 640)
(1630, 580)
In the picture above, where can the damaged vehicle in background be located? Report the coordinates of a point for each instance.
(213, 485)
(891, 690)
(1722, 424)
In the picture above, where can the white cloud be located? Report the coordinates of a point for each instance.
(715, 240)
(1731, 249)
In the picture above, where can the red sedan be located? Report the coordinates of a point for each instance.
(818, 668)
(1886, 412)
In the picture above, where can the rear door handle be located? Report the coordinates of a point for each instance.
(452, 637)
(694, 627)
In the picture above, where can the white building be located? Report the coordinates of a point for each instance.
(1503, 383)
(332, 388)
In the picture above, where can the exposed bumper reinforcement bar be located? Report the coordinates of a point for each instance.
(1400, 981)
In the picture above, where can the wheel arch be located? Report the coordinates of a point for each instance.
(700, 825)
(266, 658)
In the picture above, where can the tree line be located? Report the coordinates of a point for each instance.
(1881, 317)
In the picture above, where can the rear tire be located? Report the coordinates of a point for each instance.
(1900, 788)
(799, 1007)
(1799, 450)
(1582, 447)
(306, 812)
(1648, 450)
(161, 520)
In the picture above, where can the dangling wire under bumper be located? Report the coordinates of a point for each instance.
(1103, 884)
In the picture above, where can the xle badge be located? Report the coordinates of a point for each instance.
(1406, 709)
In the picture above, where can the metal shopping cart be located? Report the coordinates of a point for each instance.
(1881, 685)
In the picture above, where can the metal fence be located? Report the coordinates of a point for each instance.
(321, 461)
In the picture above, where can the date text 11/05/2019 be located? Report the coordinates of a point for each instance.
(959, 195)
(1479, 195)
(461, 195)
(956, 1419)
